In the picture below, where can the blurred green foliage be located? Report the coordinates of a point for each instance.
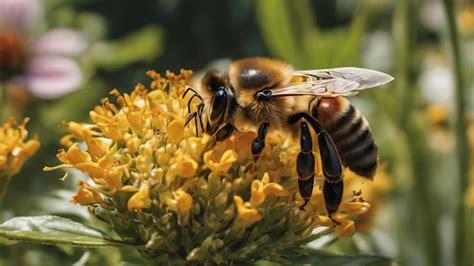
(291, 34)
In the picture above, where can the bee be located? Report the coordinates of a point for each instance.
(269, 95)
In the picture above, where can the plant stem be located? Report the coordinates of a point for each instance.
(423, 218)
(462, 149)
(4, 181)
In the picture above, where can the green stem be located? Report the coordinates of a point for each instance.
(461, 138)
(423, 218)
(4, 181)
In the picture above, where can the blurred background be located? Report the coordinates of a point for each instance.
(58, 58)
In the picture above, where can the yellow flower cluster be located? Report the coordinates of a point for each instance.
(15, 149)
(188, 198)
(374, 192)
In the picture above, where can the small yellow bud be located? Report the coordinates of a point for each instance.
(354, 207)
(74, 155)
(247, 215)
(184, 201)
(86, 195)
(257, 195)
(175, 130)
(185, 166)
(224, 164)
(140, 200)
(345, 228)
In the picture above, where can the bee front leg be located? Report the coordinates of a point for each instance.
(224, 132)
(305, 165)
(259, 142)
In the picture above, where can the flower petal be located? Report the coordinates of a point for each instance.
(86, 195)
(186, 166)
(175, 130)
(184, 201)
(51, 77)
(140, 200)
(345, 228)
(246, 214)
(60, 42)
(225, 163)
(20, 14)
(257, 195)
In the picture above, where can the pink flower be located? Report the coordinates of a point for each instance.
(44, 65)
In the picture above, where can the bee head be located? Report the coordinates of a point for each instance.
(214, 79)
(254, 79)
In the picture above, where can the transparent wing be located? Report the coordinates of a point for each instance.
(343, 81)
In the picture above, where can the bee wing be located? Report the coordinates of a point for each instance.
(343, 81)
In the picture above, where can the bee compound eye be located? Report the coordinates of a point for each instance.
(264, 95)
(219, 104)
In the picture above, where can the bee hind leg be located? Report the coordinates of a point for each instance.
(332, 196)
(305, 165)
(331, 163)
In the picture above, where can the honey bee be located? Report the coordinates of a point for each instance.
(269, 95)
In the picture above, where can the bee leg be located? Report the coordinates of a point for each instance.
(332, 169)
(305, 165)
(259, 142)
(192, 116)
(194, 92)
(199, 112)
(224, 132)
(331, 164)
(332, 196)
(191, 100)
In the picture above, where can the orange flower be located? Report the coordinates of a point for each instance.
(223, 164)
(246, 214)
(261, 189)
(86, 195)
(14, 148)
(141, 199)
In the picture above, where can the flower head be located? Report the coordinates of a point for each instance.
(188, 197)
(15, 149)
(43, 65)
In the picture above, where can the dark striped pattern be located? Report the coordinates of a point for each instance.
(354, 141)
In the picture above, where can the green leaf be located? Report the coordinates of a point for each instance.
(318, 257)
(143, 45)
(6, 242)
(54, 230)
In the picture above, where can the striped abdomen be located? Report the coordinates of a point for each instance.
(350, 132)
